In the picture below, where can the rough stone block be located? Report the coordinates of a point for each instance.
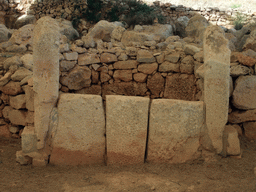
(29, 96)
(28, 140)
(174, 130)
(18, 102)
(126, 129)
(22, 159)
(79, 137)
(231, 141)
(4, 131)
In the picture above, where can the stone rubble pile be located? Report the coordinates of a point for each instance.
(148, 61)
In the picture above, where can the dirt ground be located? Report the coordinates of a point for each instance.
(225, 174)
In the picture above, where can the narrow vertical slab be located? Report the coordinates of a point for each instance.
(45, 74)
(216, 84)
(126, 130)
(79, 138)
(174, 130)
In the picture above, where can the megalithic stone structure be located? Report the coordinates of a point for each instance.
(46, 74)
(216, 84)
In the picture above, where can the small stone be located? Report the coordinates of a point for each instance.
(123, 75)
(145, 56)
(148, 68)
(108, 58)
(140, 77)
(71, 56)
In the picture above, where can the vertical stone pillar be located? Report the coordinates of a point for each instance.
(216, 84)
(46, 74)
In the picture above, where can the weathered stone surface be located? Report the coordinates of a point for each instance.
(4, 131)
(78, 78)
(180, 86)
(28, 140)
(245, 60)
(117, 33)
(129, 64)
(148, 68)
(45, 74)
(12, 88)
(144, 56)
(238, 70)
(16, 48)
(104, 77)
(140, 77)
(18, 102)
(187, 65)
(27, 61)
(87, 59)
(66, 28)
(231, 141)
(23, 35)
(174, 130)
(245, 92)
(65, 65)
(5, 34)
(15, 60)
(156, 85)
(123, 75)
(24, 20)
(124, 88)
(93, 90)
(21, 73)
(216, 84)
(29, 96)
(173, 58)
(95, 76)
(30, 117)
(196, 27)
(108, 58)
(129, 130)
(199, 56)
(71, 56)
(191, 50)
(250, 41)
(216, 45)
(79, 137)
(169, 67)
(133, 36)
(250, 130)
(242, 116)
(180, 25)
(16, 117)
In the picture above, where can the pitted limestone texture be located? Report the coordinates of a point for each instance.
(126, 129)
(174, 130)
(79, 137)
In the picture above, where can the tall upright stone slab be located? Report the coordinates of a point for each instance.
(174, 130)
(126, 129)
(216, 84)
(45, 74)
(79, 138)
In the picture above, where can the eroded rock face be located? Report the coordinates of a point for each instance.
(79, 137)
(180, 86)
(129, 130)
(174, 130)
(77, 78)
(244, 93)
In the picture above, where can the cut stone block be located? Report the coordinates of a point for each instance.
(126, 129)
(174, 130)
(79, 138)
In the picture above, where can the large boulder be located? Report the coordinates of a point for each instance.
(5, 33)
(250, 42)
(196, 27)
(23, 36)
(102, 30)
(24, 20)
(144, 33)
(244, 95)
(180, 25)
(67, 29)
(243, 34)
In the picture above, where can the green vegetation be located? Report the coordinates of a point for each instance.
(234, 6)
(240, 21)
(132, 12)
